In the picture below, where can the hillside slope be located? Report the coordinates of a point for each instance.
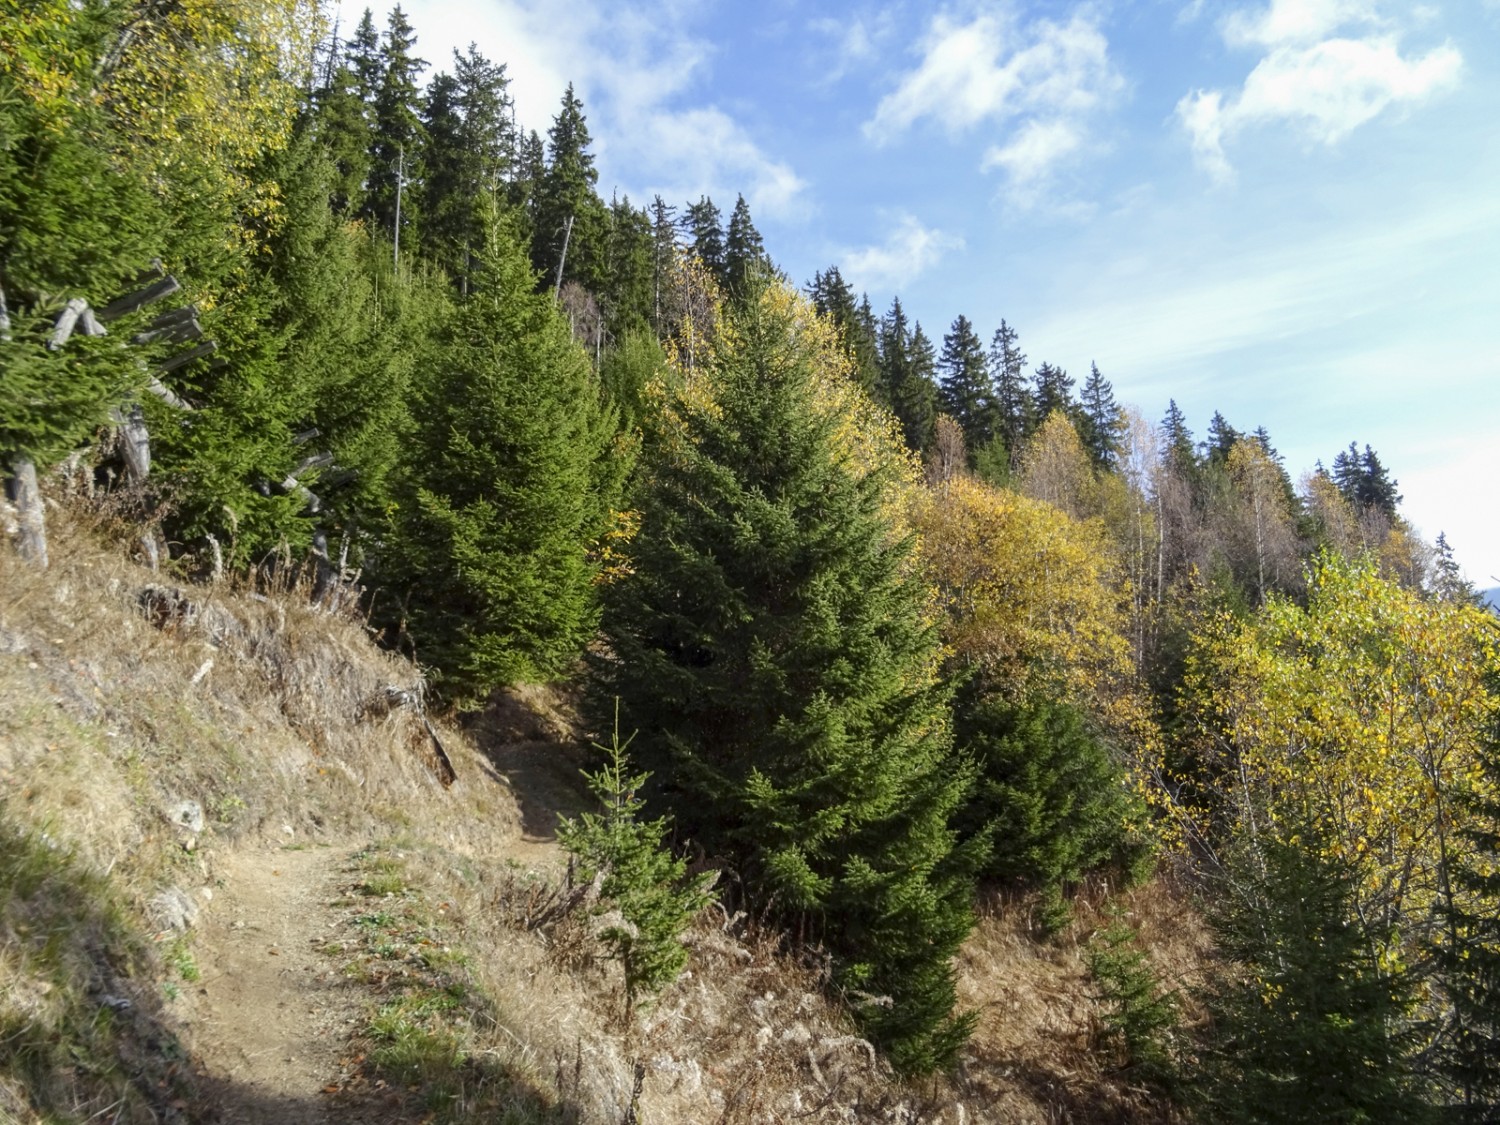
(234, 887)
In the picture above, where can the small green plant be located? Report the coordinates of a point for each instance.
(180, 959)
(641, 878)
(386, 877)
(1139, 1015)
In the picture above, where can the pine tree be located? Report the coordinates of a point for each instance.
(397, 135)
(1101, 421)
(512, 490)
(965, 392)
(833, 298)
(629, 269)
(771, 647)
(1014, 406)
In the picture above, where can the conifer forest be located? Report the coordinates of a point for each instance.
(874, 617)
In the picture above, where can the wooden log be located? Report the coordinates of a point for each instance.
(31, 519)
(4, 317)
(161, 391)
(135, 442)
(132, 302)
(182, 359)
(178, 329)
(306, 436)
(316, 461)
(67, 320)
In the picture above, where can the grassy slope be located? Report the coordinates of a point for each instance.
(485, 999)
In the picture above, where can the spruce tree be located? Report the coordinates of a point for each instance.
(1015, 408)
(1054, 393)
(1177, 446)
(570, 219)
(512, 489)
(397, 138)
(1307, 1026)
(744, 251)
(1049, 791)
(639, 876)
(965, 392)
(1468, 961)
(705, 225)
(771, 646)
(1101, 421)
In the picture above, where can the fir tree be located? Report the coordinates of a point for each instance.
(1101, 421)
(397, 136)
(1307, 1029)
(1015, 408)
(744, 251)
(629, 268)
(965, 393)
(705, 225)
(770, 645)
(340, 119)
(1054, 393)
(512, 490)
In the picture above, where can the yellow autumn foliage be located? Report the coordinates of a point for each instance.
(1360, 712)
(1033, 599)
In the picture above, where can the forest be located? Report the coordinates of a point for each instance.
(870, 619)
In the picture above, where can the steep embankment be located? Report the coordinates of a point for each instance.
(234, 887)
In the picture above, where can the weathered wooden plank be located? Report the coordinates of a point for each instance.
(182, 359)
(131, 302)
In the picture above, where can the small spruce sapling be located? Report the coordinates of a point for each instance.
(1140, 1015)
(641, 878)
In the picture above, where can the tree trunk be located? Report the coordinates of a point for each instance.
(31, 520)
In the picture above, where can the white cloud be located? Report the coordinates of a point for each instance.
(632, 66)
(1035, 149)
(911, 249)
(1325, 84)
(1288, 22)
(1044, 80)
(855, 41)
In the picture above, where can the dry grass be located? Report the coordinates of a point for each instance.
(265, 713)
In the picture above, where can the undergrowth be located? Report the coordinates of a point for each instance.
(430, 1033)
(81, 1032)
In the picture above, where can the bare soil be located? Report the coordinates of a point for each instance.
(270, 1020)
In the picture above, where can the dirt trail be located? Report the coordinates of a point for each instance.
(272, 1014)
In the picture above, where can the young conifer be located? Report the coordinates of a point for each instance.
(511, 488)
(641, 877)
(772, 647)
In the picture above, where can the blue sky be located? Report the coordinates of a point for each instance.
(1287, 212)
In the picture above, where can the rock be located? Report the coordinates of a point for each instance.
(174, 909)
(185, 813)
